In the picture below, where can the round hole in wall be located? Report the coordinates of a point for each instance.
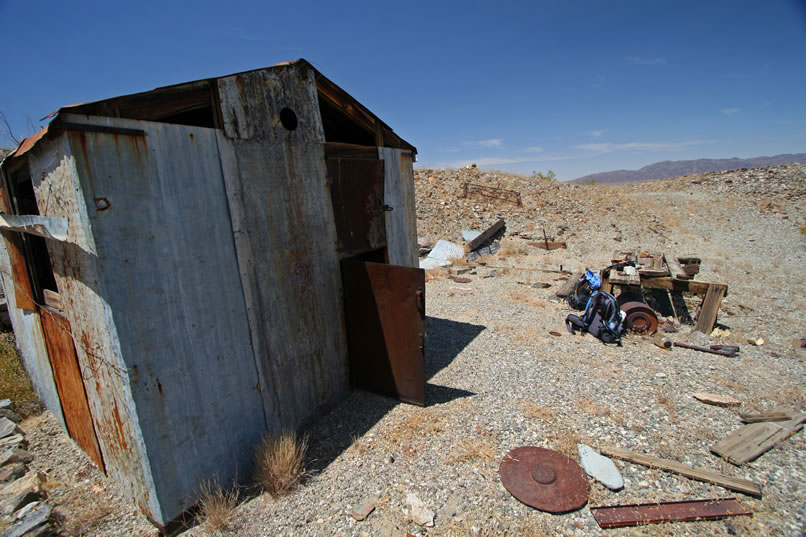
(288, 118)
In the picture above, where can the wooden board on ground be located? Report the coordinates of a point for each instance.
(700, 474)
(716, 399)
(749, 442)
(486, 235)
(568, 287)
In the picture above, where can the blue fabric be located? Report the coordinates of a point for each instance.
(594, 280)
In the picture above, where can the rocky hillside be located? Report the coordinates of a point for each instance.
(677, 168)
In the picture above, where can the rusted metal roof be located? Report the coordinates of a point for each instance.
(325, 86)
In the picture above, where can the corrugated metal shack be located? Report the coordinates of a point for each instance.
(225, 240)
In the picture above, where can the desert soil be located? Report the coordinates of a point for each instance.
(497, 378)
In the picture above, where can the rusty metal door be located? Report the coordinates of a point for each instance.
(385, 313)
(356, 190)
(69, 384)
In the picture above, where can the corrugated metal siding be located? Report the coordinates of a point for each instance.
(170, 275)
(401, 221)
(54, 168)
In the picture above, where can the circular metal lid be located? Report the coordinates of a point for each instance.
(544, 479)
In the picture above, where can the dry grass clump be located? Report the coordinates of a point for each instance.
(279, 463)
(14, 382)
(216, 505)
(565, 441)
(532, 410)
(471, 450)
(592, 408)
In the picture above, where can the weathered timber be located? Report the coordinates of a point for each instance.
(486, 235)
(706, 320)
(351, 151)
(675, 268)
(568, 287)
(700, 474)
(686, 286)
(752, 440)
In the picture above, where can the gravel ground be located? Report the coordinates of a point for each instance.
(498, 379)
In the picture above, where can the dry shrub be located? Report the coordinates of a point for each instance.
(664, 399)
(565, 441)
(424, 422)
(532, 410)
(592, 408)
(470, 450)
(14, 381)
(509, 247)
(279, 463)
(435, 274)
(216, 505)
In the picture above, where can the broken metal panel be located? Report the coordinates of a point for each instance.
(43, 226)
(618, 516)
(385, 313)
(286, 245)
(398, 194)
(278, 104)
(356, 192)
(167, 271)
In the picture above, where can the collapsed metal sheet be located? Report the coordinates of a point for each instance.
(43, 226)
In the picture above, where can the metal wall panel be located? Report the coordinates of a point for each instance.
(401, 221)
(55, 172)
(286, 242)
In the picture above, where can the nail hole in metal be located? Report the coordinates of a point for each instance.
(288, 118)
(102, 204)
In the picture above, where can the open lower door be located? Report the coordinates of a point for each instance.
(385, 314)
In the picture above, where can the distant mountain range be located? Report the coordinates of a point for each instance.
(676, 168)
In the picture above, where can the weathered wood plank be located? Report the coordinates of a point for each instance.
(700, 474)
(401, 221)
(754, 439)
(280, 198)
(710, 308)
(351, 151)
(675, 268)
(568, 287)
(252, 103)
(486, 235)
(687, 286)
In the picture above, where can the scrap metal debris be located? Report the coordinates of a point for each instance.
(544, 479)
(617, 516)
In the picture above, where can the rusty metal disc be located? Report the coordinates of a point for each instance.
(640, 318)
(544, 479)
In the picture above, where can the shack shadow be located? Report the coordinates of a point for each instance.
(445, 339)
(334, 433)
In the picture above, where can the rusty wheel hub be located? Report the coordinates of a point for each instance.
(544, 479)
(640, 318)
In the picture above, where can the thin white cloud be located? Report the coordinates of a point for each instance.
(638, 146)
(640, 60)
(492, 142)
(597, 133)
(730, 111)
(535, 149)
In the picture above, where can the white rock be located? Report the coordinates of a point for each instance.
(600, 468)
(418, 512)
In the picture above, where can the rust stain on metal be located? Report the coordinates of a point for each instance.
(544, 479)
(119, 428)
(640, 318)
(617, 516)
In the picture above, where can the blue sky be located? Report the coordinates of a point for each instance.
(576, 87)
